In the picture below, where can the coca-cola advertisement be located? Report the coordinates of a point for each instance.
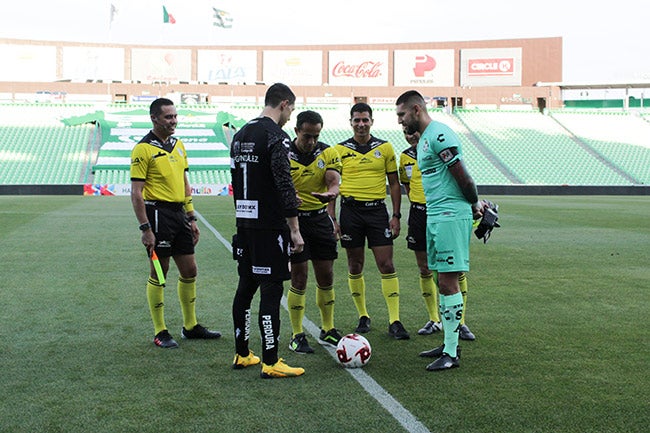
(358, 68)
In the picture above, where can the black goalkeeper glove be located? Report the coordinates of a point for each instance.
(488, 222)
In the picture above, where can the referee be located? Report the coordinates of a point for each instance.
(315, 170)
(162, 201)
(367, 163)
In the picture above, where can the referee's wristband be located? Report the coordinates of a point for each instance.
(191, 218)
(144, 227)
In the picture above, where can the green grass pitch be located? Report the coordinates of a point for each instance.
(558, 300)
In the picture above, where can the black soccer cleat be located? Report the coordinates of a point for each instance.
(164, 339)
(437, 352)
(364, 325)
(465, 334)
(200, 333)
(430, 327)
(331, 337)
(299, 344)
(445, 362)
(397, 331)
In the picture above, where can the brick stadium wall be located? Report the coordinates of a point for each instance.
(541, 61)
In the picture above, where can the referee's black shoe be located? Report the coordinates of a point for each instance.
(397, 331)
(200, 333)
(164, 339)
(364, 325)
(299, 344)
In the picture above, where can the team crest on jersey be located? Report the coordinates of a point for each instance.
(446, 155)
(377, 154)
(320, 163)
(425, 146)
(180, 152)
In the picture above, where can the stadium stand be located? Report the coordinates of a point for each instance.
(40, 145)
(537, 149)
(621, 138)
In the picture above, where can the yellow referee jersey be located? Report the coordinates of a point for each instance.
(308, 172)
(409, 172)
(365, 168)
(161, 166)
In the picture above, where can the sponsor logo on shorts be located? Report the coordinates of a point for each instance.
(164, 244)
(448, 260)
(262, 270)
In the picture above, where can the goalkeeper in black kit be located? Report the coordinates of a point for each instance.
(266, 209)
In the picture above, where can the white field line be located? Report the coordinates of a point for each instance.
(394, 408)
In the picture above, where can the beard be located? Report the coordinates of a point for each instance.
(411, 128)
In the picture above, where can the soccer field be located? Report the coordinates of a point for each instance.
(558, 299)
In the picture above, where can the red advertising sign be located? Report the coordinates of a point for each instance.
(490, 67)
(364, 69)
(358, 68)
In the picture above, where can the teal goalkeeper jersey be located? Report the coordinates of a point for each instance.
(438, 149)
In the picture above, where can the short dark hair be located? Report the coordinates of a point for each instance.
(308, 116)
(411, 98)
(156, 106)
(360, 107)
(277, 93)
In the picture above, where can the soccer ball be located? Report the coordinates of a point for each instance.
(353, 351)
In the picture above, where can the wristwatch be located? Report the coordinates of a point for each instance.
(397, 215)
(144, 227)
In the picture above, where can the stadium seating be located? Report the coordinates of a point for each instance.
(537, 149)
(622, 138)
(567, 147)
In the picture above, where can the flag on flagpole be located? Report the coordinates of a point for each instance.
(222, 18)
(167, 17)
(113, 14)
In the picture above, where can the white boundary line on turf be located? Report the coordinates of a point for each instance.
(394, 408)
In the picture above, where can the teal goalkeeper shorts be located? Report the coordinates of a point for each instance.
(448, 245)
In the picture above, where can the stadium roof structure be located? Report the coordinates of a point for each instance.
(612, 85)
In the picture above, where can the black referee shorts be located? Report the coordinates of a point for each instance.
(360, 222)
(317, 231)
(416, 238)
(173, 232)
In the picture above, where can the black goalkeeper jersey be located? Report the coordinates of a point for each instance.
(263, 191)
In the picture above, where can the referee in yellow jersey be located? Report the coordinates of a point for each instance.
(162, 201)
(315, 170)
(367, 162)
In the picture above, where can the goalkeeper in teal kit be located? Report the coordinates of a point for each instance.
(452, 204)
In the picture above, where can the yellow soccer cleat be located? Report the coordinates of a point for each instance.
(245, 361)
(279, 370)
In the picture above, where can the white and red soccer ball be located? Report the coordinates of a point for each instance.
(353, 351)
